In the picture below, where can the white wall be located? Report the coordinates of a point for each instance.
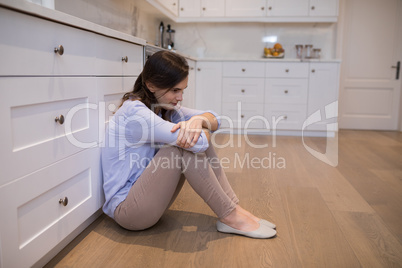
(245, 40)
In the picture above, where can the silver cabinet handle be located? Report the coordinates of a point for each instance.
(63, 201)
(125, 59)
(59, 50)
(59, 119)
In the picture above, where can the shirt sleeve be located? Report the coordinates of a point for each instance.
(184, 114)
(142, 126)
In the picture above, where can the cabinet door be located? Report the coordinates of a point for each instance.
(286, 8)
(241, 8)
(323, 94)
(209, 86)
(189, 8)
(323, 8)
(43, 208)
(213, 8)
(171, 5)
(189, 92)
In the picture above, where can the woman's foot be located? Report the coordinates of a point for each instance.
(256, 219)
(239, 220)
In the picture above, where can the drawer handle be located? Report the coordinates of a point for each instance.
(313, 7)
(242, 116)
(287, 70)
(63, 201)
(270, 8)
(243, 90)
(182, 9)
(286, 91)
(59, 50)
(59, 119)
(124, 59)
(198, 69)
(262, 8)
(313, 71)
(203, 8)
(285, 117)
(243, 70)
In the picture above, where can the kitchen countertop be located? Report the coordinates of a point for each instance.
(268, 59)
(57, 16)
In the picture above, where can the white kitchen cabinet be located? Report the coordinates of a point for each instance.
(243, 94)
(323, 95)
(288, 8)
(53, 106)
(286, 89)
(189, 92)
(32, 50)
(208, 95)
(323, 8)
(189, 8)
(241, 8)
(171, 5)
(201, 8)
(41, 209)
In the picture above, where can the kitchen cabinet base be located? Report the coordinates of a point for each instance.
(51, 254)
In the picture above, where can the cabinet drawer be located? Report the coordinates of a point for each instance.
(242, 115)
(33, 221)
(286, 91)
(27, 47)
(287, 69)
(111, 56)
(243, 69)
(28, 110)
(247, 90)
(286, 117)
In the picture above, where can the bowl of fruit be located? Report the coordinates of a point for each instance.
(276, 51)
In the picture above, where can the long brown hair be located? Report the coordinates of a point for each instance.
(164, 70)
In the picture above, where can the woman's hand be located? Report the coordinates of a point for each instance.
(189, 133)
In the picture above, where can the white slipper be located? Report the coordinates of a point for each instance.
(267, 223)
(262, 232)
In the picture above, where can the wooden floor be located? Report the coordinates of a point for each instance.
(344, 216)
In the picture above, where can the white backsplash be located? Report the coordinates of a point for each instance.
(245, 40)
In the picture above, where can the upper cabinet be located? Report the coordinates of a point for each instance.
(251, 10)
(201, 8)
(171, 5)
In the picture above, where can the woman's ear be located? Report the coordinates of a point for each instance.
(150, 87)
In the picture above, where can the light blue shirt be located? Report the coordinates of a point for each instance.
(132, 139)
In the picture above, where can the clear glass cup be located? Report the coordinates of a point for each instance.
(299, 51)
(308, 51)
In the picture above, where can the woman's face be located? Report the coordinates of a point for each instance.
(170, 98)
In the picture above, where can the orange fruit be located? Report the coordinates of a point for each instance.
(275, 54)
(277, 46)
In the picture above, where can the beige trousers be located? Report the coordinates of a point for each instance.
(159, 184)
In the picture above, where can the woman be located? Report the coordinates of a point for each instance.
(151, 143)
